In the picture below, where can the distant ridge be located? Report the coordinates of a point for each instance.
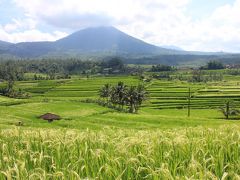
(91, 40)
(4, 44)
(173, 47)
(103, 42)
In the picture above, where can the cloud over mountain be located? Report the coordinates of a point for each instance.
(156, 21)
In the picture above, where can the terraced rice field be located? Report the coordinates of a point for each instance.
(94, 142)
(163, 94)
(165, 108)
(77, 88)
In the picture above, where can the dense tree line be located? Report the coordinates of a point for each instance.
(54, 68)
(121, 95)
(205, 76)
(161, 67)
(213, 65)
(14, 70)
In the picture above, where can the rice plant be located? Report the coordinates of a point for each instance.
(193, 153)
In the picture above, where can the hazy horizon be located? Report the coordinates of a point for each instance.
(189, 24)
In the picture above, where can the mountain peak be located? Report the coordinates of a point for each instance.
(101, 28)
(105, 38)
(102, 40)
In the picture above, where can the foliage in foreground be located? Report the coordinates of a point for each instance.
(120, 154)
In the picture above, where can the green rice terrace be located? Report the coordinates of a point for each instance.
(165, 107)
(92, 141)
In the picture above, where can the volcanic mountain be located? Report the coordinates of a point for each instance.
(104, 40)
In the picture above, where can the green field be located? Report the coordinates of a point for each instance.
(166, 107)
(193, 153)
(91, 141)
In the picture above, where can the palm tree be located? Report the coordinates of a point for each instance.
(105, 92)
(135, 97)
(120, 92)
(141, 96)
(131, 97)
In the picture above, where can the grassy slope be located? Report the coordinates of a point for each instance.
(97, 142)
(63, 97)
(81, 116)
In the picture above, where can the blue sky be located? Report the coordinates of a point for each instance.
(203, 25)
(199, 9)
(8, 11)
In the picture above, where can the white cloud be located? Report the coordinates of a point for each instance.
(20, 24)
(156, 21)
(36, 35)
(116, 11)
(30, 35)
(221, 31)
(26, 29)
(136, 17)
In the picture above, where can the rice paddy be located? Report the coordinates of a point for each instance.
(120, 154)
(95, 142)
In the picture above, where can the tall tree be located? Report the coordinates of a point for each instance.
(120, 93)
(105, 92)
(135, 97)
(142, 94)
(10, 73)
(131, 99)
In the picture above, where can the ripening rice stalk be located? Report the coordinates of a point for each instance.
(193, 153)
